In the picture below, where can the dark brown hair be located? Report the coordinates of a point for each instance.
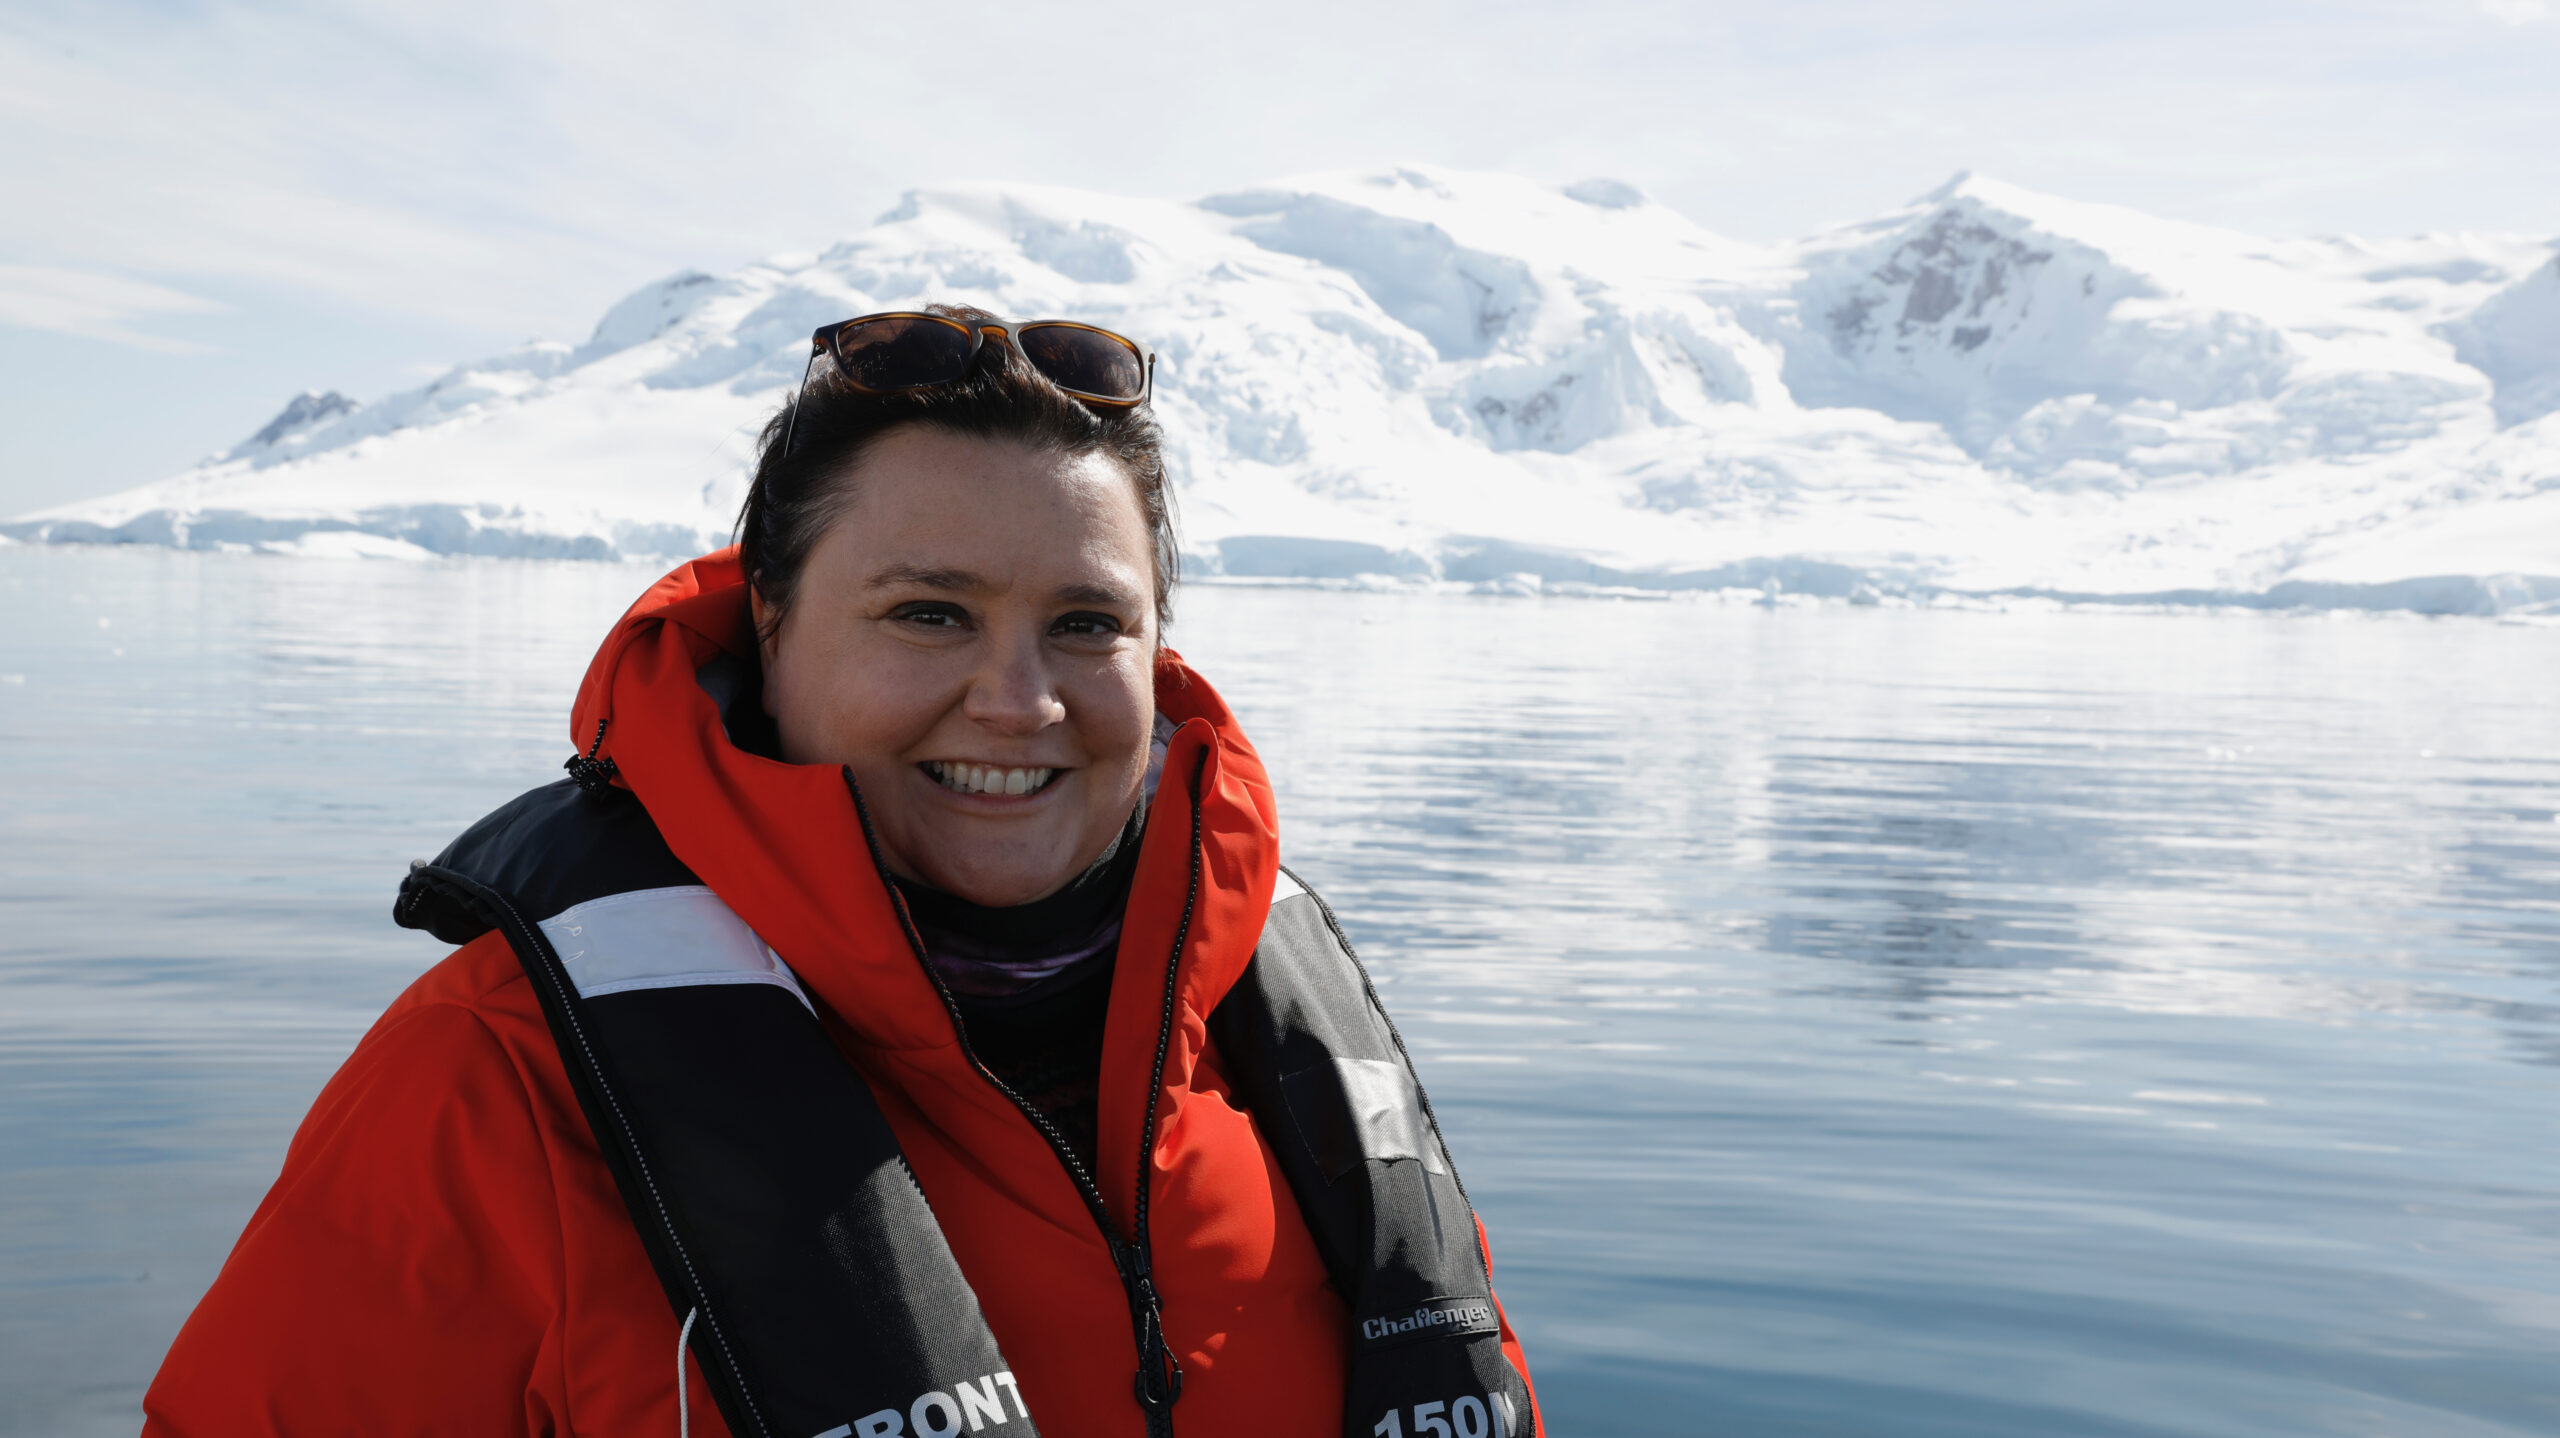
(795, 496)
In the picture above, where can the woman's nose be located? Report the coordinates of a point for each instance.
(1013, 692)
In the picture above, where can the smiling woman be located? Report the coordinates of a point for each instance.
(901, 1017)
(975, 640)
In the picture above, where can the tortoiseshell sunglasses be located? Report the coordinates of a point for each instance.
(909, 349)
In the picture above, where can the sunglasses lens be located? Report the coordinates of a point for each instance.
(1086, 362)
(902, 352)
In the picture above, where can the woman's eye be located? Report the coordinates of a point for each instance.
(930, 615)
(1085, 623)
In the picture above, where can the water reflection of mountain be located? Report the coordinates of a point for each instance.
(2149, 815)
(2085, 855)
(1849, 1021)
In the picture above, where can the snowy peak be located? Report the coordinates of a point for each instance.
(300, 415)
(1982, 301)
(2078, 346)
(1460, 301)
(1524, 317)
(648, 313)
(2514, 339)
(1425, 372)
(1607, 194)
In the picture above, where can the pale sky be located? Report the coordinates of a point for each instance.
(206, 207)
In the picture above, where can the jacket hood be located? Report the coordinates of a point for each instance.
(786, 845)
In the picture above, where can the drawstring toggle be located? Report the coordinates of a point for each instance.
(594, 775)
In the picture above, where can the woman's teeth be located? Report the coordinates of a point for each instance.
(987, 778)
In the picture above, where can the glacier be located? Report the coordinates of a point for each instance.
(1430, 376)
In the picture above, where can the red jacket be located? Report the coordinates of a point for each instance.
(445, 1251)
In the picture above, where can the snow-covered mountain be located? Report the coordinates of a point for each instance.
(1474, 377)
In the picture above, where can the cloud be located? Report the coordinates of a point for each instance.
(95, 306)
(2516, 12)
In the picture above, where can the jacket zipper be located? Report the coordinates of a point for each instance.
(1159, 1378)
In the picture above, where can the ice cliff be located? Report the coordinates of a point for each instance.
(1430, 374)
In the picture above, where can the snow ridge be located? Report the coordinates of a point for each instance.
(1429, 375)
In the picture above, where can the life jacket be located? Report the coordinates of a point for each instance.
(815, 1287)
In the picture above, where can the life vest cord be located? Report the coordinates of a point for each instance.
(684, 1407)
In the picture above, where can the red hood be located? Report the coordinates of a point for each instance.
(782, 844)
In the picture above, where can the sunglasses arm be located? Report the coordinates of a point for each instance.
(791, 426)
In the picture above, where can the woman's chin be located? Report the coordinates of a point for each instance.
(994, 865)
(998, 884)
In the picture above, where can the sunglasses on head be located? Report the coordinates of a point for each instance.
(909, 349)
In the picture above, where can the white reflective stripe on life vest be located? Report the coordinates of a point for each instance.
(663, 939)
(1384, 1101)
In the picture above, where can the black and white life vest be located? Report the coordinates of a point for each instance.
(818, 1294)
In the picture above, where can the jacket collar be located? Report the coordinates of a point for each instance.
(784, 844)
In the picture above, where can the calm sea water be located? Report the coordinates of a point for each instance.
(1850, 1022)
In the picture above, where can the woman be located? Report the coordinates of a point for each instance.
(900, 1024)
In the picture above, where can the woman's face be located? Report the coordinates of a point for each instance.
(974, 637)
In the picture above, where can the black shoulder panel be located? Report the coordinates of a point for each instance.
(546, 850)
(791, 1218)
(1313, 1054)
(767, 1188)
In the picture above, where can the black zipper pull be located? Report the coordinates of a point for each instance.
(1159, 1380)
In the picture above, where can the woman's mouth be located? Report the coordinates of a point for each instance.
(987, 778)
